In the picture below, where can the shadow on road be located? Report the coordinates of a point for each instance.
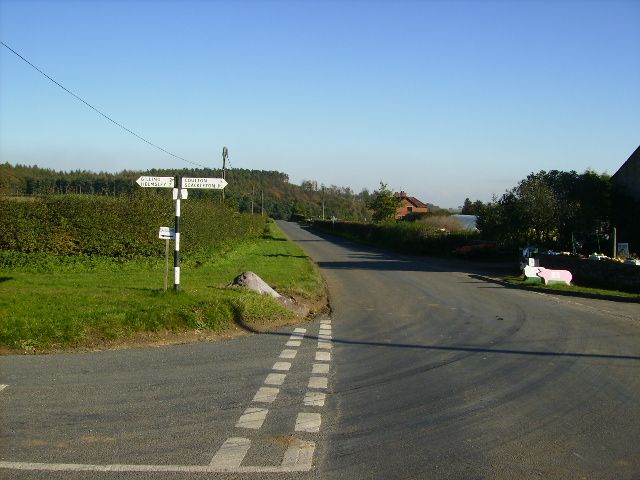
(446, 348)
(366, 257)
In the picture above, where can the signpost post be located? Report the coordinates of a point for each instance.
(180, 186)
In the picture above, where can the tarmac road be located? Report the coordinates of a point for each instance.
(441, 375)
(423, 370)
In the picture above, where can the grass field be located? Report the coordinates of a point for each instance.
(49, 302)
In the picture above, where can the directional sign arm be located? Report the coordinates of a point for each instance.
(155, 182)
(212, 183)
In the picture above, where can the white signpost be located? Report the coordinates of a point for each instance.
(179, 193)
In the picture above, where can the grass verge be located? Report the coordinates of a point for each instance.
(558, 288)
(53, 303)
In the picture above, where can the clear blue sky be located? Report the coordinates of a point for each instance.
(444, 99)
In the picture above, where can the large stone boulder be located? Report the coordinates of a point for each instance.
(254, 283)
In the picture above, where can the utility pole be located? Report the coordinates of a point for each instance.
(225, 157)
(322, 202)
(253, 194)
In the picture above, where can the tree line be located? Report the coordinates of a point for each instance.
(258, 191)
(562, 210)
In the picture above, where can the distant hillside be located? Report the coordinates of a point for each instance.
(281, 198)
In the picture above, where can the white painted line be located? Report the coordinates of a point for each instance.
(320, 368)
(275, 378)
(296, 336)
(293, 343)
(324, 337)
(299, 460)
(298, 456)
(252, 418)
(325, 326)
(324, 344)
(2, 387)
(314, 399)
(299, 330)
(318, 382)
(231, 453)
(282, 366)
(323, 356)
(288, 354)
(266, 394)
(325, 322)
(308, 422)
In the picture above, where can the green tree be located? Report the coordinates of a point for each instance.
(467, 207)
(383, 204)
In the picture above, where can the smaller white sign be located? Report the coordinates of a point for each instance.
(184, 193)
(623, 250)
(167, 233)
(156, 182)
(214, 183)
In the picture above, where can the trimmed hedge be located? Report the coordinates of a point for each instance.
(405, 237)
(118, 227)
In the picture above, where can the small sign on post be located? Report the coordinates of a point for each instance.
(166, 233)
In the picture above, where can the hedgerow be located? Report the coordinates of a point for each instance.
(119, 227)
(405, 237)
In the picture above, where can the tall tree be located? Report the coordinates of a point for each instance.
(383, 203)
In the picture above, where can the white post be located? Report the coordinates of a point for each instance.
(176, 253)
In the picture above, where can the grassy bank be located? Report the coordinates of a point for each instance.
(559, 288)
(49, 301)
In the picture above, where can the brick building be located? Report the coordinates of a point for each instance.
(409, 205)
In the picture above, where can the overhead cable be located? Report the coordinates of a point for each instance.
(100, 112)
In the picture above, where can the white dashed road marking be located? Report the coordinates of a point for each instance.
(231, 453)
(275, 379)
(323, 356)
(288, 354)
(282, 366)
(298, 456)
(314, 399)
(293, 343)
(308, 422)
(320, 368)
(2, 387)
(318, 382)
(266, 394)
(252, 418)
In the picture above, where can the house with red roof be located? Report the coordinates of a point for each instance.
(409, 204)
